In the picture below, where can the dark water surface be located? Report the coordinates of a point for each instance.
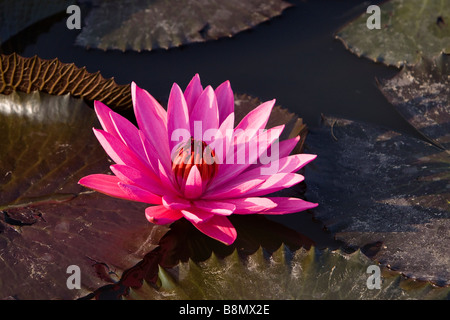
(293, 58)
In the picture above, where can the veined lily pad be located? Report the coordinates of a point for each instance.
(386, 193)
(283, 275)
(47, 221)
(409, 29)
(143, 25)
(422, 95)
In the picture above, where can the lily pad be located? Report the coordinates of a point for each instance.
(57, 78)
(47, 221)
(143, 25)
(282, 275)
(422, 95)
(386, 193)
(183, 243)
(16, 15)
(409, 29)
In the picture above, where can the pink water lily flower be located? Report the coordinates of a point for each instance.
(192, 162)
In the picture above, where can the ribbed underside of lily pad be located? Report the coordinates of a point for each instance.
(23, 74)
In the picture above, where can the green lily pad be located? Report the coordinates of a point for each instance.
(142, 25)
(16, 15)
(384, 192)
(282, 275)
(409, 30)
(47, 221)
(422, 95)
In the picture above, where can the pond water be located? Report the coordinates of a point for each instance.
(293, 58)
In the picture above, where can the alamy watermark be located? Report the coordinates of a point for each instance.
(74, 280)
(374, 20)
(74, 20)
(231, 146)
(374, 280)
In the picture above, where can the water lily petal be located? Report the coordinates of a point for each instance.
(275, 183)
(103, 116)
(175, 203)
(138, 194)
(294, 162)
(205, 115)
(150, 152)
(104, 183)
(168, 180)
(257, 118)
(287, 164)
(196, 215)
(225, 100)
(252, 152)
(129, 134)
(133, 176)
(118, 151)
(252, 205)
(162, 215)
(177, 114)
(286, 146)
(221, 141)
(194, 186)
(289, 205)
(219, 228)
(234, 189)
(215, 207)
(192, 92)
(152, 121)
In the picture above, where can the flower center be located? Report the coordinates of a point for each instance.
(190, 153)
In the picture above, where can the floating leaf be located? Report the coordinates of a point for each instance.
(47, 221)
(409, 29)
(54, 77)
(142, 25)
(16, 15)
(183, 242)
(422, 95)
(386, 193)
(283, 275)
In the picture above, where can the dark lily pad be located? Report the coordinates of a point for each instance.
(422, 95)
(385, 193)
(48, 222)
(143, 25)
(16, 15)
(183, 243)
(409, 29)
(282, 275)
(54, 77)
